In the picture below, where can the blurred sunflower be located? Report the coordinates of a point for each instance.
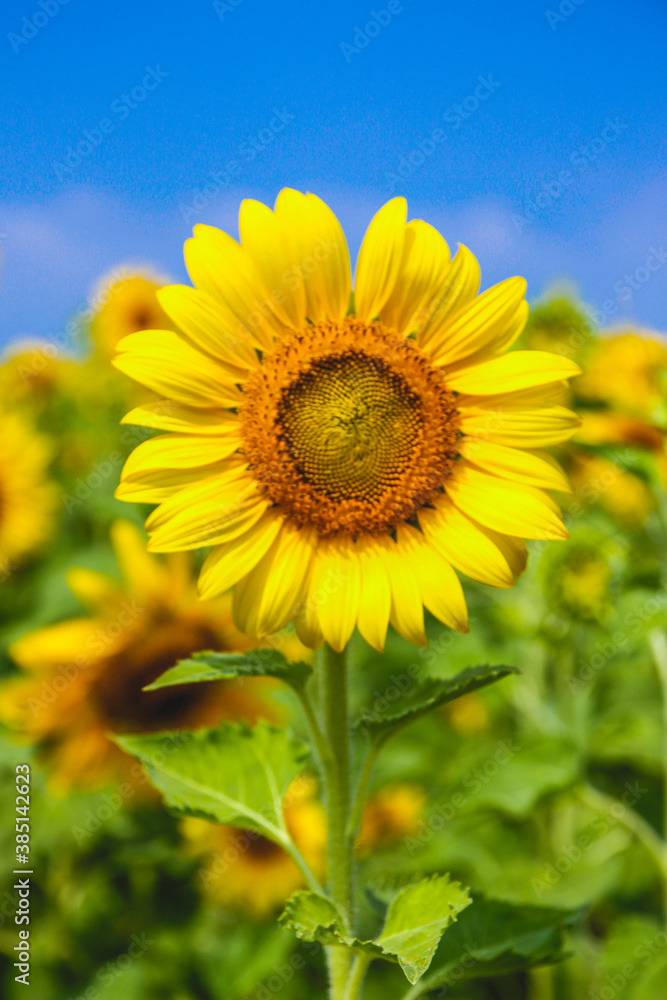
(577, 580)
(244, 871)
(27, 496)
(126, 304)
(627, 372)
(31, 375)
(85, 675)
(391, 814)
(342, 464)
(468, 715)
(597, 479)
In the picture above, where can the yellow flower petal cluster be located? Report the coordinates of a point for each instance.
(344, 455)
(83, 678)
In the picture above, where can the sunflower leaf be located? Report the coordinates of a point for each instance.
(233, 775)
(429, 695)
(211, 666)
(416, 919)
(313, 917)
(494, 938)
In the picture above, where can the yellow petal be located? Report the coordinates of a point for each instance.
(519, 428)
(306, 621)
(270, 596)
(318, 254)
(506, 507)
(96, 591)
(425, 260)
(517, 370)
(335, 589)
(206, 513)
(513, 549)
(211, 325)
(272, 247)
(380, 257)
(465, 544)
(220, 268)
(407, 610)
(157, 485)
(535, 468)
(374, 594)
(460, 285)
(166, 363)
(439, 585)
(230, 562)
(145, 576)
(479, 324)
(168, 415)
(555, 393)
(72, 641)
(178, 451)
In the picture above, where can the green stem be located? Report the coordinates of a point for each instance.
(290, 848)
(658, 644)
(321, 745)
(336, 727)
(631, 820)
(356, 978)
(362, 788)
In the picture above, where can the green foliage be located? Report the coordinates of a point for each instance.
(211, 666)
(493, 938)
(234, 774)
(429, 695)
(416, 919)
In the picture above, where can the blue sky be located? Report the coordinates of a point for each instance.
(533, 132)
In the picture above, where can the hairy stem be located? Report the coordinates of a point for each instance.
(357, 810)
(336, 728)
(658, 644)
(319, 739)
(356, 978)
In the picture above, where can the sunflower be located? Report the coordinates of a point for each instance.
(28, 498)
(596, 479)
(628, 372)
(340, 454)
(85, 675)
(244, 871)
(468, 715)
(126, 304)
(389, 816)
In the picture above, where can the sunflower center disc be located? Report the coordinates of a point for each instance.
(348, 428)
(350, 424)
